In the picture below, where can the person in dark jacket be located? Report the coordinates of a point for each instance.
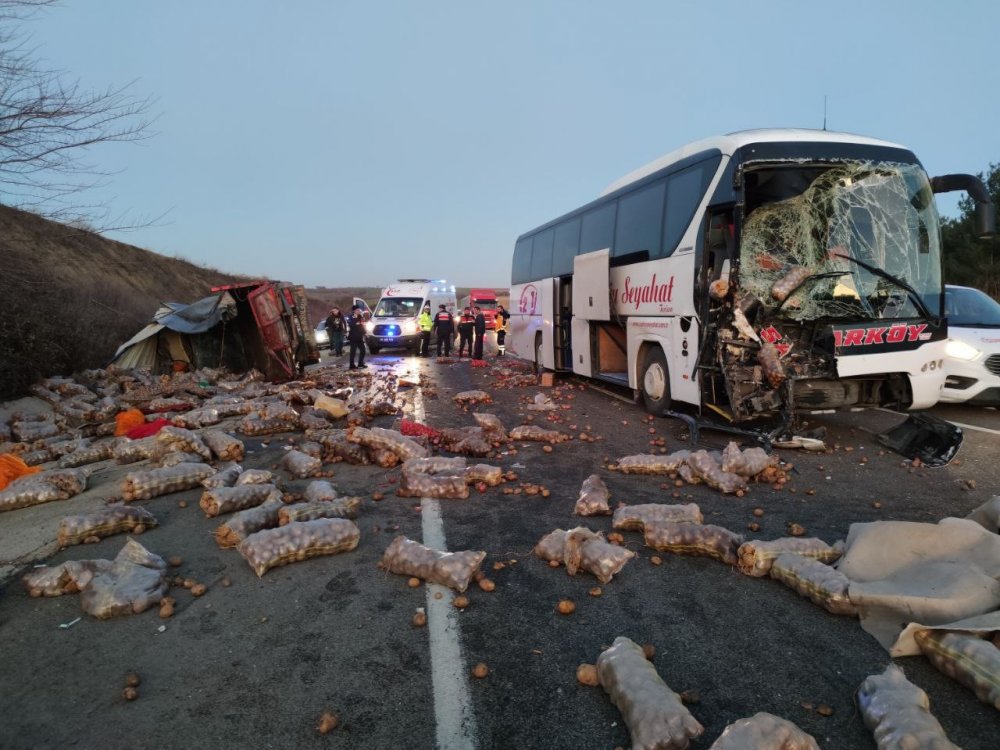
(356, 337)
(465, 325)
(478, 330)
(336, 326)
(444, 327)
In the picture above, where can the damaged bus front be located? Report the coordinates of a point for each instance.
(748, 277)
(824, 285)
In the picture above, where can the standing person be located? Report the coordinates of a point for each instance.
(336, 326)
(479, 330)
(501, 319)
(426, 323)
(465, 324)
(356, 337)
(444, 327)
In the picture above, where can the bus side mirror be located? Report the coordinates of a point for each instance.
(986, 219)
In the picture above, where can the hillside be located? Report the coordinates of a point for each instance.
(71, 296)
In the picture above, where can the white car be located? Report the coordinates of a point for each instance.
(972, 364)
(322, 336)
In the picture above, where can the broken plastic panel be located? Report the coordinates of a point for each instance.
(932, 440)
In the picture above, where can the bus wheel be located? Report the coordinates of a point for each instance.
(655, 382)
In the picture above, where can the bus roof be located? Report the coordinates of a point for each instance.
(728, 144)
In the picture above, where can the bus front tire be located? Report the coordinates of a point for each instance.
(654, 382)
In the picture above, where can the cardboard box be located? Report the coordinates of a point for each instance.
(548, 379)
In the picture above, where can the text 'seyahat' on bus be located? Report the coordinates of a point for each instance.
(755, 275)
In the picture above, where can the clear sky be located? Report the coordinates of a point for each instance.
(341, 143)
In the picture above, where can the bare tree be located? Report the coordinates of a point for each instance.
(48, 122)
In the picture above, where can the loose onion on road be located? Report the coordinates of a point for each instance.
(327, 723)
(586, 674)
(566, 607)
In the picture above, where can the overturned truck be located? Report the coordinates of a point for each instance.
(259, 325)
(749, 277)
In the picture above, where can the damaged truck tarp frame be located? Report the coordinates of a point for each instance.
(748, 278)
(258, 324)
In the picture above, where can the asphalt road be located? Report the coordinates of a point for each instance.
(256, 663)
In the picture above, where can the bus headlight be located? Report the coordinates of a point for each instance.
(960, 350)
(410, 327)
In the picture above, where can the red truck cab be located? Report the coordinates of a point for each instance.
(486, 300)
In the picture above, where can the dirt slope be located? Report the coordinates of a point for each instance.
(70, 296)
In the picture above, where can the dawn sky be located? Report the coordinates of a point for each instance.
(351, 143)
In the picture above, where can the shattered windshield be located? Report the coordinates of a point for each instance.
(861, 241)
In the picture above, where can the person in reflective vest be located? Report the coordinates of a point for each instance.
(426, 323)
(465, 324)
(444, 327)
(500, 321)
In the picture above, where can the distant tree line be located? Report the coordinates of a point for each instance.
(968, 259)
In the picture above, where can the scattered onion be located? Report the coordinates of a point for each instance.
(327, 723)
(586, 674)
(566, 607)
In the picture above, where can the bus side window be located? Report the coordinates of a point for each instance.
(522, 261)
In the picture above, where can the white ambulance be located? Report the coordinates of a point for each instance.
(394, 323)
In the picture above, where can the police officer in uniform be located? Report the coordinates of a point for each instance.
(444, 327)
(356, 337)
(465, 325)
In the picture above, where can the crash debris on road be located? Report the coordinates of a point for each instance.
(197, 430)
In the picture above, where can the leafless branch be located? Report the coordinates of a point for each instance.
(49, 123)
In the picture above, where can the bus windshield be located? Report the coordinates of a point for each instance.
(398, 307)
(862, 241)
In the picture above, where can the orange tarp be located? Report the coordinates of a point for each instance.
(126, 420)
(11, 467)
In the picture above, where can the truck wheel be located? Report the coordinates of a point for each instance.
(654, 382)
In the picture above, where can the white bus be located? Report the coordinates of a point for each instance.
(754, 275)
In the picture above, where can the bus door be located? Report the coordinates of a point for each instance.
(589, 303)
(716, 265)
(564, 316)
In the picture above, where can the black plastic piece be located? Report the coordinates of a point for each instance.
(934, 441)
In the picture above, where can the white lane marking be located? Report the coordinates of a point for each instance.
(957, 424)
(453, 715)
